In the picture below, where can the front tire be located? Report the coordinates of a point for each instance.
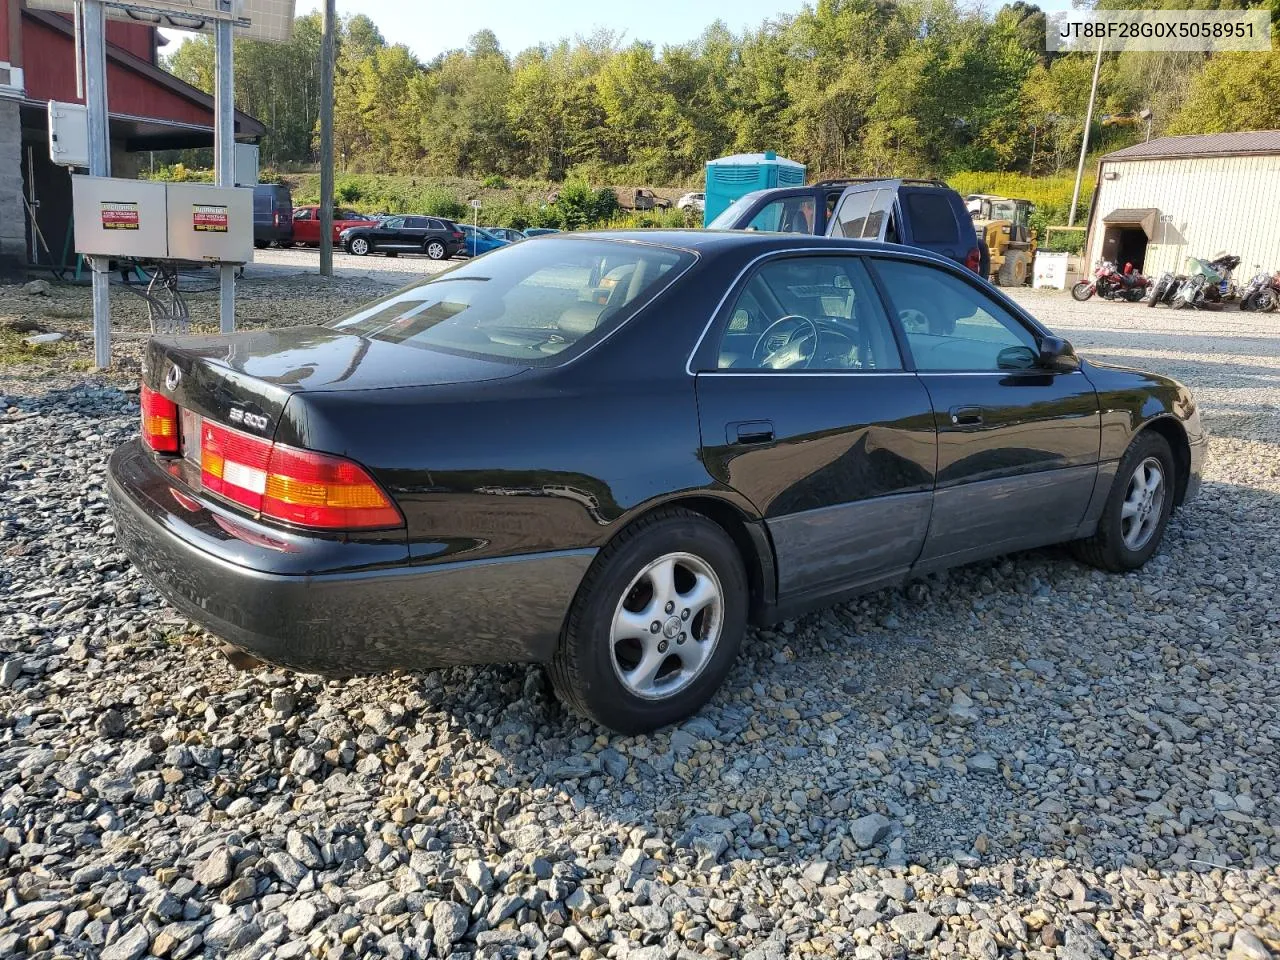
(1137, 511)
(675, 570)
(359, 247)
(435, 250)
(1013, 272)
(1082, 291)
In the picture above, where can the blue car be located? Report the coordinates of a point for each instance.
(510, 234)
(476, 241)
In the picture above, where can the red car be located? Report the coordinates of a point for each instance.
(306, 224)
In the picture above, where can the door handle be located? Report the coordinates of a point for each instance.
(966, 416)
(749, 431)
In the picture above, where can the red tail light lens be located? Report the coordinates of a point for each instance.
(457, 235)
(276, 218)
(974, 260)
(291, 485)
(159, 421)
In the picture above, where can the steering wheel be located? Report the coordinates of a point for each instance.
(791, 339)
(913, 320)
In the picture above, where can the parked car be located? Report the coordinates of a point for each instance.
(438, 238)
(477, 241)
(306, 224)
(509, 234)
(456, 472)
(539, 231)
(921, 213)
(272, 215)
(645, 199)
(692, 201)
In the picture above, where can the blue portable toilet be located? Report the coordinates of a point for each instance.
(729, 178)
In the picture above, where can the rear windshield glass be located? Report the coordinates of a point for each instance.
(529, 303)
(931, 216)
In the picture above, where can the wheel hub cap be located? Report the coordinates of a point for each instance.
(1143, 504)
(666, 626)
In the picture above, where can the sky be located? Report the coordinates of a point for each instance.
(432, 28)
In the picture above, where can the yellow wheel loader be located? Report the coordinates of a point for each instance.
(1003, 223)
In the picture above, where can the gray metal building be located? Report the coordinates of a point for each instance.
(1158, 203)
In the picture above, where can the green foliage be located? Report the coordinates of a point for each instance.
(1051, 195)
(1063, 241)
(848, 87)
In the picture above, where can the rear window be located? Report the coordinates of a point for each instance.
(931, 217)
(533, 304)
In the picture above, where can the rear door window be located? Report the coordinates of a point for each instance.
(415, 223)
(930, 216)
(785, 215)
(863, 214)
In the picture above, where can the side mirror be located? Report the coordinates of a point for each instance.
(1058, 354)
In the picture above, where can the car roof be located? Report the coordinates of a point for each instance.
(757, 241)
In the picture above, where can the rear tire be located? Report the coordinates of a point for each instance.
(1117, 545)
(618, 671)
(435, 250)
(260, 244)
(1082, 291)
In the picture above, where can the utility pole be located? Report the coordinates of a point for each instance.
(326, 140)
(95, 88)
(224, 140)
(1084, 142)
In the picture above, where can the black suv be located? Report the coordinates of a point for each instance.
(437, 237)
(920, 213)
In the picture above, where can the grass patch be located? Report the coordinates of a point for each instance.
(16, 352)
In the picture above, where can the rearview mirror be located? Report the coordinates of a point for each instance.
(1058, 354)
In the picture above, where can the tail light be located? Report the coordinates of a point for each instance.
(159, 421)
(291, 485)
(457, 235)
(974, 260)
(276, 218)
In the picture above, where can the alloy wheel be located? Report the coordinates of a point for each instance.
(1143, 504)
(666, 626)
(435, 250)
(360, 246)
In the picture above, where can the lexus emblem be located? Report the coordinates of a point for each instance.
(173, 377)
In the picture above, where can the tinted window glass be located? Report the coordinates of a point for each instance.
(789, 215)
(808, 313)
(393, 223)
(862, 214)
(527, 303)
(930, 217)
(417, 223)
(729, 217)
(951, 325)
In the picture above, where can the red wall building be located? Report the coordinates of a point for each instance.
(150, 109)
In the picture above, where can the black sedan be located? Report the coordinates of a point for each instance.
(611, 452)
(437, 237)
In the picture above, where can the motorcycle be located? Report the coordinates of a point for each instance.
(1208, 281)
(1163, 290)
(1262, 293)
(1112, 284)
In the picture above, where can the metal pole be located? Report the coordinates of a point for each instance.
(224, 150)
(326, 139)
(95, 83)
(77, 17)
(1084, 142)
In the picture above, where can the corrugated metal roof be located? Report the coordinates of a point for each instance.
(1202, 145)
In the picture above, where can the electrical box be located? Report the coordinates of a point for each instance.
(210, 223)
(121, 218)
(246, 164)
(68, 134)
(152, 220)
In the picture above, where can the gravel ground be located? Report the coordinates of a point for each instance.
(1024, 758)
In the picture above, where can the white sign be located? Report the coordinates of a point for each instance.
(1050, 270)
(475, 204)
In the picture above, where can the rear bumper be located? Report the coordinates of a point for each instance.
(329, 606)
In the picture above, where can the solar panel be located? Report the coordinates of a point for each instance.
(257, 19)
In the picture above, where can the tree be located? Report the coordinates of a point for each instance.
(1234, 92)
